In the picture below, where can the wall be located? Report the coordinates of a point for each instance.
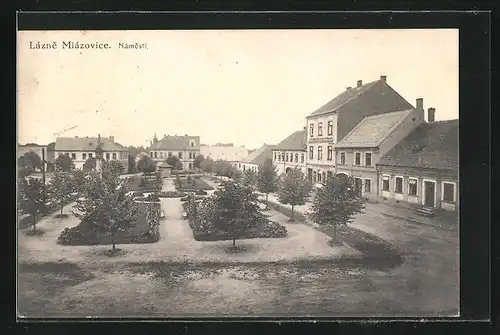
(79, 159)
(162, 155)
(324, 141)
(281, 164)
(420, 174)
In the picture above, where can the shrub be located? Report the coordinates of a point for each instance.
(171, 194)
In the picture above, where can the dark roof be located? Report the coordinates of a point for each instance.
(51, 146)
(343, 98)
(259, 156)
(372, 130)
(176, 143)
(86, 144)
(431, 145)
(296, 141)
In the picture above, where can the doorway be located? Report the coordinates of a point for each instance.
(429, 189)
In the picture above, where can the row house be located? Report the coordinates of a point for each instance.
(291, 153)
(80, 149)
(256, 158)
(422, 169)
(360, 150)
(228, 153)
(333, 121)
(186, 148)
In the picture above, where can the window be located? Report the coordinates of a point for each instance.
(151, 154)
(330, 153)
(114, 155)
(398, 186)
(319, 177)
(190, 166)
(368, 159)
(155, 154)
(286, 155)
(194, 154)
(330, 127)
(180, 154)
(448, 192)
(357, 160)
(311, 152)
(311, 130)
(192, 143)
(275, 155)
(190, 155)
(90, 155)
(314, 176)
(302, 158)
(67, 154)
(169, 154)
(412, 187)
(385, 183)
(296, 158)
(107, 156)
(342, 158)
(244, 167)
(60, 155)
(279, 157)
(84, 156)
(320, 129)
(73, 156)
(368, 185)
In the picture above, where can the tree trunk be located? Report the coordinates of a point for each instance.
(292, 213)
(334, 231)
(266, 201)
(62, 206)
(34, 221)
(234, 242)
(113, 241)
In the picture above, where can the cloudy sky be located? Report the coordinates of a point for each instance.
(248, 87)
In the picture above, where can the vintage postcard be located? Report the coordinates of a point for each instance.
(202, 173)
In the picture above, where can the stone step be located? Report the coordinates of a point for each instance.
(425, 211)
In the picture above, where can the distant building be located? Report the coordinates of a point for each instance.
(291, 153)
(79, 149)
(256, 158)
(422, 169)
(186, 148)
(330, 123)
(228, 153)
(40, 150)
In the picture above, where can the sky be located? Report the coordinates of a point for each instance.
(246, 87)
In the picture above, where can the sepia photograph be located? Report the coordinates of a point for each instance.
(238, 173)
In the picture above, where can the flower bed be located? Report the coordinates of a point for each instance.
(171, 194)
(191, 184)
(268, 229)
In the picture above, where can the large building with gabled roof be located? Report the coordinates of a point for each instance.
(186, 148)
(256, 158)
(291, 152)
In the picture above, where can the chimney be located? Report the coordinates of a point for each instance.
(431, 113)
(112, 138)
(360, 83)
(420, 104)
(348, 88)
(383, 78)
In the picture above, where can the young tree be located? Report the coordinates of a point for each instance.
(207, 165)
(158, 182)
(335, 203)
(197, 161)
(30, 161)
(146, 164)
(294, 189)
(64, 164)
(89, 164)
(232, 210)
(60, 187)
(267, 178)
(79, 180)
(175, 162)
(131, 163)
(116, 166)
(31, 197)
(105, 204)
(249, 178)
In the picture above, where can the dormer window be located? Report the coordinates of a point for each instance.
(192, 143)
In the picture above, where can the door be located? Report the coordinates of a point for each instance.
(358, 186)
(429, 193)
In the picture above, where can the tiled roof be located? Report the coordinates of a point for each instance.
(431, 145)
(259, 156)
(372, 130)
(296, 141)
(216, 152)
(176, 143)
(344, 97)
(86, 144)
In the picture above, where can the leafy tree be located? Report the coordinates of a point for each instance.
(197, 161)
(294, 189)
(232, 210)
(79, 180)
(249, 178)
(158, 183)
(28, 163)
(116, 166)
(90, 164)
(207, 165)
(175, 162)
(145, 164)
(31, 196)
(267, 178)
(131, 163)
(64, 163)
(336, 202)
(60, 187)
(105, 205)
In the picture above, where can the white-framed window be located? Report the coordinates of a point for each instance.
(386, 182)
(73, 155)
(114, 155)
(342, 158)
(302, 158)
(368, 159)
(329, 153)
(84, 156)
(412, 187)
(275, 155)
(311, 130)
(90, 155)
(169, 154)
(368, 185)
(357, 158)
(311, 152)
(107, 156)
(320, 129)
(398, 184)
(448, 192)
(296, 158)
(330, 128)
(319, 176)
(180, 154)
(320, 152)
